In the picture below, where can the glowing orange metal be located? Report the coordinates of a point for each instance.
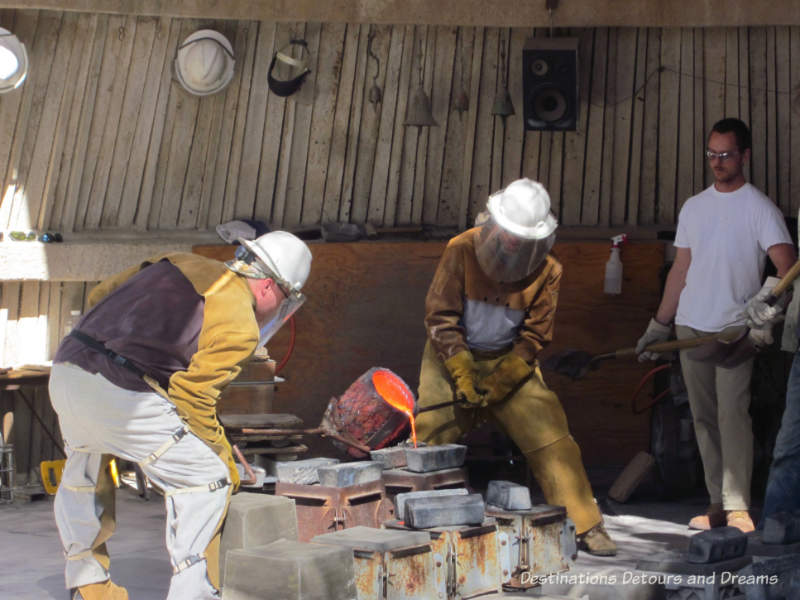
(394, 391)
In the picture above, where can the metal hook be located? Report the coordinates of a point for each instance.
(371, 54)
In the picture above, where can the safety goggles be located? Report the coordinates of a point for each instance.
(723, 156)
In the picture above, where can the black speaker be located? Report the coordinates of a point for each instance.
(550, 83)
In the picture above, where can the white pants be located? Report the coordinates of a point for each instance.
(97, 417)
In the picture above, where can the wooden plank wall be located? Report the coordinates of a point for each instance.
(101, 137)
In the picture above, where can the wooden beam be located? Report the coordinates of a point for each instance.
(485, 13)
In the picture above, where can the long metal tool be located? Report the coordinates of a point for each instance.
(732, 351)
(576, 363)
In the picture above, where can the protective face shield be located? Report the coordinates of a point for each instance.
(505, 257)
(519, 233)
(286, 260)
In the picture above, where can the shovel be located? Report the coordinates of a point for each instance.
(732, 350)
(576, 363)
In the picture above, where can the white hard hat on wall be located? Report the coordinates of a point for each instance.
(204, 62)
(13, 61)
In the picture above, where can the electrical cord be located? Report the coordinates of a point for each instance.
(639, 410)
(290, 349)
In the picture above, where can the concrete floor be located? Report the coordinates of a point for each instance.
(32, 563)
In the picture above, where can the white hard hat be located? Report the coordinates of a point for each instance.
(204, 62)
(523, 209)
(284, 255)
(13, 61)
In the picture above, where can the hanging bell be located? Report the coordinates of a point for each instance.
(503, 106)
(375, 95)
(461, 103)
(419, 112)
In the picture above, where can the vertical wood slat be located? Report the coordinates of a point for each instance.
(134, 168)
(783, 113)
(246, 193)
(649, 166)
(423, 140)
(143, 37)
(50, 135)
(43, 35)
(200, 173)
(624, 98)
(334, 174)
(514, 124)
(688, 154)
(771, 147)
(450, 196)
(357, 104)
(298, 167)
(441, 91)
(184, 124)
(232, 179)
(218, 168)
(64, 153)
(470, 132)
(376, 203)
(103, 137)
(480, 179)
(396, 211)
(329, 68)
(758, 106)
(370, 118)
(794, 120)
(594, 158)
(410, 134)
(669, 125)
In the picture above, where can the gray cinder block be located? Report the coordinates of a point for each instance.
(290, 570)
(442, 511)
(255, 520)
(401, 499)
(351, 473)
(298, 471)
(508, 495)
(390, 458)
(435, 458)
(714, 545)
(782, 528)
(372, 539)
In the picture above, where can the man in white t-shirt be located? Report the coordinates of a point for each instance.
(724, 235)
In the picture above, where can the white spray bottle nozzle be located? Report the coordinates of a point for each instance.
(618, 240)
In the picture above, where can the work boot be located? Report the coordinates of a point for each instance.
(713, 517)
(597, 541)
(740, 519)
(104, 590)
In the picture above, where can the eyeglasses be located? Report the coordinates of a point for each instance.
(723, 156)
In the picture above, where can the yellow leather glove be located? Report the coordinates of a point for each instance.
(508, 375)
(461, 367)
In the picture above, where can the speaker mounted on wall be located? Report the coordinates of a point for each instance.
(550, 84)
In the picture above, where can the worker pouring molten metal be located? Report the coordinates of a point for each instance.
(489, 312)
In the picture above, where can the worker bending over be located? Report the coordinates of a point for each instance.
(140, 377)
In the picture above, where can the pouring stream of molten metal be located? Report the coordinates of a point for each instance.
(394, 391)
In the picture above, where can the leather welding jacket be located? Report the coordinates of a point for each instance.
(459, 280)
(185, 320)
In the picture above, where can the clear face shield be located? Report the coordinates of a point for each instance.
(248, 264)
(505, 257)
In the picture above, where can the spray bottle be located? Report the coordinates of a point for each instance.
(613, 279)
